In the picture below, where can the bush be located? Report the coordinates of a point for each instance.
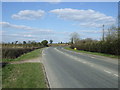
(99, 46)
(11, 53)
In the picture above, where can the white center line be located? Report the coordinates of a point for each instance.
(91, 65)
(115, 75)
(84, 62)
(88, 63)
(92, 57)
(44, 54)
(107, 71)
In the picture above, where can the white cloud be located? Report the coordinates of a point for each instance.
(92, 31)
(27, 31)
(30, 33)
(28, 14)
(20, 35)
(8, 25)
(86, 18)
(13, 26)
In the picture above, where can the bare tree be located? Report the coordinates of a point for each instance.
(74, 37)
(112, 33)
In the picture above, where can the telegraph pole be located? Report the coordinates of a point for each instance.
(103, 32)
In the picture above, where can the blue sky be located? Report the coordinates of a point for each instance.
(41, 20)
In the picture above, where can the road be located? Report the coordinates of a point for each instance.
(68, 69)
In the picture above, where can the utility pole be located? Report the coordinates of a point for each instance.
(103, 32)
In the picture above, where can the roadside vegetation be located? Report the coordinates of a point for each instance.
(11, 51)
(93, 53)
(108, 45)
(30, 55)
(25, 75)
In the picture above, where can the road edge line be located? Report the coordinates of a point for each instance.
(45, 73)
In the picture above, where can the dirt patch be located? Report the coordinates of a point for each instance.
(36, 60)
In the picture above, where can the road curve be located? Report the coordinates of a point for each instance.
(67, 69)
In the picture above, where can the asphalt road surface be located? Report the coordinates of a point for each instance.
(68, 69)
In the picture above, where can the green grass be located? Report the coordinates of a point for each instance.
(93, 53)
(27, 75)
(30, 55)
(33, 54)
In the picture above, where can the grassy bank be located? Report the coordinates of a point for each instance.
(27, 75)
(93, 53)
(33, 54)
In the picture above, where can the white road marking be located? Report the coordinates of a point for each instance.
(44, 54)
(107, 71)
(91, 65)
(116, 75)
(92, 57)
(84, 62)
(88, 63)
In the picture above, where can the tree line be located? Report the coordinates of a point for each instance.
(15, 49)
(108, 44)
(26, 44)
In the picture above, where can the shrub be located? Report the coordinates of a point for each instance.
(99, 46)
(11, 53)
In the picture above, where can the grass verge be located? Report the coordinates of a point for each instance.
(34, 54)
(27, 75)
(93, 53)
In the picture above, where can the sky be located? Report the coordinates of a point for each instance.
(24, 21)
(60, 0)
